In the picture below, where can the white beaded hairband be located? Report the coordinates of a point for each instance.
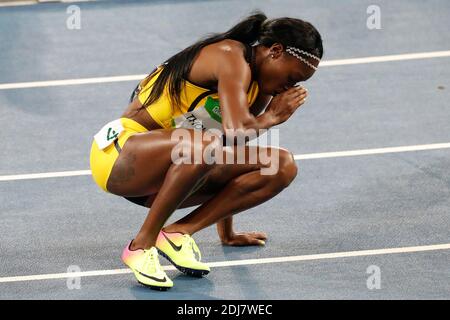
(293, 51)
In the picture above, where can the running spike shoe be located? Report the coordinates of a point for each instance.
(182, 251)
(146, 268)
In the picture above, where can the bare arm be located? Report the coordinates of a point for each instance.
(234, 76)
(225, 226)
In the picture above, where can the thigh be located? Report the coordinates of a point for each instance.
(214, 181)
(145, 158)
(142, 164)
(254, 159)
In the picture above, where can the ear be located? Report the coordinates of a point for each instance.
(276, 50)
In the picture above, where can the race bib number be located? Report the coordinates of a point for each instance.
(108, 133)
(204, 117)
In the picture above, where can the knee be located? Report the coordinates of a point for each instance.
(287, 170)
(273, 183)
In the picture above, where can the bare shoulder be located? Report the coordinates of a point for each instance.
(226, 56)
(229, 51)
(230, 46)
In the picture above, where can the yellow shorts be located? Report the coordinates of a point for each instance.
(102, 161)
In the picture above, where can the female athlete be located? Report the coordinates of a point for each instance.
(239, 80)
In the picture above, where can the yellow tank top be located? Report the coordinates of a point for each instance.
(199, 108)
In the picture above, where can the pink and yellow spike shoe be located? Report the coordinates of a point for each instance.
(180, 250)
(146, 268)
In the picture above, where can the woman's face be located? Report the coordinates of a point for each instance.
(279, 70)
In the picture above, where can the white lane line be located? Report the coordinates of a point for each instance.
(388, 58)
(329, 63)
(68, 82)
(32, 2)
(233, 263)
(17, 3)
(364, 152)
(310, 156)
(45, 175)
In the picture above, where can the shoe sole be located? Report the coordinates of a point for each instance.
(154, 287)
(190, 272)
(157, 288)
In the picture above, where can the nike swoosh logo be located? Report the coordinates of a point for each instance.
(153, 278)
(173, 245)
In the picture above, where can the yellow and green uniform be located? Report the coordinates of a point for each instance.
(199, 109)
